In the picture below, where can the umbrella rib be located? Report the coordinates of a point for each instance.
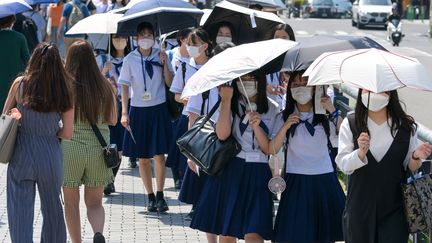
(391, 68)
(340, 67)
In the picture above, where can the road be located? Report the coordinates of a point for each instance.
(416, 44)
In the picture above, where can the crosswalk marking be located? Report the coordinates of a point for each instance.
(301, 32)
(338, 32)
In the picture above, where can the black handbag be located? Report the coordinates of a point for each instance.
(109, 151)
(201, 145)
(174, 108)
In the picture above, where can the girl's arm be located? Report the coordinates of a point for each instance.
(223, 126)
(66, 132)
(280, 136)
(263, 141)
(11, 101)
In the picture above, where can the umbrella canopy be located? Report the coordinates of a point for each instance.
(371, 69)
(237, 61)
(164, 15)
(32, 2)
(249, 25)
(104, 23)
(12, 7)
(309, 48)
(276, 4)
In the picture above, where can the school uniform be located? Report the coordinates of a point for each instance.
(148, 114)
(280, 100)
(310, 208)
(238, 201)
(374, 209)
(176, 160)
(192, 183)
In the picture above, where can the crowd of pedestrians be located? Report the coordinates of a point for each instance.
(121, 90)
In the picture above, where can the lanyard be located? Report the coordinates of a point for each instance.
(143, 72)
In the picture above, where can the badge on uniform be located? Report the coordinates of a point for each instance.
(252, 157)
(146, 96)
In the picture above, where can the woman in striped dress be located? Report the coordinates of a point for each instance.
(95, 103)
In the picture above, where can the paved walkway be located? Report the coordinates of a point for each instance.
(126, 219)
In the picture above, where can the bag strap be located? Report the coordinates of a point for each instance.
(353, 128)
(183, 65)
(18, 89)
(205, 96)
(99, 135)
(210, 114)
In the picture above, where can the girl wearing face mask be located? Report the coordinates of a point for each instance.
(224, 33)
(238, 203)
(310, 208)
(111, 70)
(199, 49)
(145, 72)
(377, 144)
(276, 82)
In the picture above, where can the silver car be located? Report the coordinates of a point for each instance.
(371, 12)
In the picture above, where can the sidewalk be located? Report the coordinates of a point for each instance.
(126, 217)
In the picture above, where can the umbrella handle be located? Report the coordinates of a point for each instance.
(247, 98)
(253, 21)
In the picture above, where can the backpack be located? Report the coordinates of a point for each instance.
(75, 16)
(29, 30)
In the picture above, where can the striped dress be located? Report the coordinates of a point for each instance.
(83, 158)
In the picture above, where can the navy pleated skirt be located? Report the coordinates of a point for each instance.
(191, 187)
(310, 209)
(175, 159)
(117, 131)
(151, 128)
(237, 202)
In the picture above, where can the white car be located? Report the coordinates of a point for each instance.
(371, 12)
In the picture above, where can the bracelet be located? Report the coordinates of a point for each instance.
(413, 157)
(334, 114)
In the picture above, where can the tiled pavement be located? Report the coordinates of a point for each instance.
(126, 219)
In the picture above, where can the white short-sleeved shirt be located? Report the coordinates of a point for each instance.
(380, 141)
(116, 67)
(251, 151)
(195, 103)
(178, 83)
(280, 100)
(306, 154)
(132, 75)
(177, 59)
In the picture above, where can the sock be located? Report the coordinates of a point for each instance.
(159, 195)
(151, 197)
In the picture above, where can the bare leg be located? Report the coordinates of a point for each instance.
(253, 238)
(95, 210)
(160, 172)
(145, 172)
(227, 239)
(72, 213)
(211, 238)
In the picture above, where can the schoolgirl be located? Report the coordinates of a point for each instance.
(110, 68)
(311, 206)
(377, 161)
(145, 71)
(199, 48)
(238, 203)
(179, 62)
(276, 82)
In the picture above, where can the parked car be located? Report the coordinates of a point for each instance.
(320, 8)
(343, 8)
(371, 12)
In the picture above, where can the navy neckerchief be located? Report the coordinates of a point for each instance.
(148, 64)
(117, 67)
(308, 126)
(243, 126)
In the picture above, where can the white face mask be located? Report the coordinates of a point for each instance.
(194, 51)
(222, 39)
(302, 94)
(250, 88)
(376, 101)
(119, 44)
(145, 43)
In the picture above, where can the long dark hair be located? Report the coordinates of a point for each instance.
(291, 104)
(394, 111)
(219, 25)
(113, 49)
(204, 37)
(261, 102)
(94, 94)
(47, 86)
(285, 27)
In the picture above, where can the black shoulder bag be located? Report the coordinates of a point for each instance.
(174, 108)
(201, 145)
(110, 153)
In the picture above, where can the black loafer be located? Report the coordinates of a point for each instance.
(109, 189)
(162, 206)
(152, 206)
(98, 238)
(132, 163)
(177, 184)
